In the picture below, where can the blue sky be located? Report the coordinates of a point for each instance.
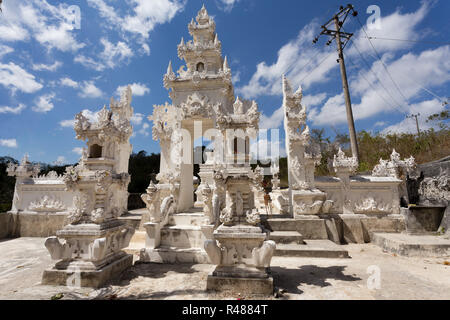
(50, 69)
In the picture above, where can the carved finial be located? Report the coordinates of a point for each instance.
(299, 92)
(216, 39)
(182, 42)
(225, 64)
(169, 68)
(126, 95)
(25, 159)
(202, 16)
(287, 89)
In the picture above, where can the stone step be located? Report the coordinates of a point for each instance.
(312, 249)
(286, 237)
(137, 242)
(187, 219)
(167, 254)
(182, 236)
(413, 245)
(133, 218)
(310, 228)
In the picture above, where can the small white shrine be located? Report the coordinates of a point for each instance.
(89, 246)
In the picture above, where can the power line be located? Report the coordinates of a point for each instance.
(311, 71)
(382, 62)
(396, 105)
(379, 80)
(422, 87)
(406, 40)
(376, 91)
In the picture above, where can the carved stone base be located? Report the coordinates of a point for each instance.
(240, 285)
(92, 279)
(173, 255)
(280, 201)
(309, 202)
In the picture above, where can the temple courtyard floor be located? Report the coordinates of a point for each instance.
(23, 260)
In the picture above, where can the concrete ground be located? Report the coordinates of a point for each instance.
(23, 260)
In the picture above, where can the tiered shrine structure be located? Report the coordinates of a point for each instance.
(90, 251)
(204, 105)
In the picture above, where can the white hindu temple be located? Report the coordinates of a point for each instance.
(225, 223)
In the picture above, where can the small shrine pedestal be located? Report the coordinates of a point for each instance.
(239, 247)
(90, 254)
(243, 259)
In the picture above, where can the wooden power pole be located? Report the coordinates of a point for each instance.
(338, 21)
(417, 122)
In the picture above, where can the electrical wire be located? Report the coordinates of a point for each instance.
(374, 89)
(382, 62)
(311, 71)
(379, 80)
(406, 40)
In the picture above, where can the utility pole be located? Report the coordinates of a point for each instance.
(338, 20)
(417, 121)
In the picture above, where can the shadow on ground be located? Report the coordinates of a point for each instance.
(151, 270)
(291, 279)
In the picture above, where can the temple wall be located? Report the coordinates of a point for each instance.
(366, 194)
(41, 208)
(31, 192)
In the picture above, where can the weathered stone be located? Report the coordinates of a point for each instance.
(423, 219)
(352, 229)
(94, 279)
(413, 245)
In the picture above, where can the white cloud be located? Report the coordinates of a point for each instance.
(16, 110)
(137, 118)
(111, 56)
(145, 15)
(227, 5)
(51, 67)
(297, 59)
(396, 26)
(408, 125)
(264, 149)
(144, 129)
(236, 77)
(89, 90)
(138, 89)
(61, 160)
(90, 115)
(273, 121)
(44, 103)
(10, 143)
(15, 78)
(379, 124)
(67, 82)
(77, 150)
(89, 62)
(431, 68)
(49, 25)
(313, 100)
(4, 50)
